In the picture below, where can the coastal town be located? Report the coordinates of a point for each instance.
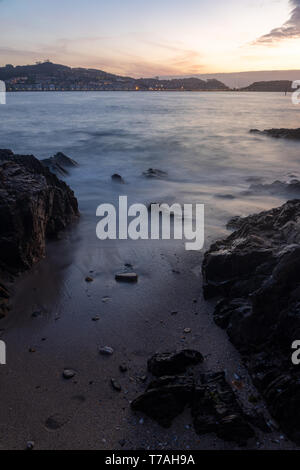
(46, 76)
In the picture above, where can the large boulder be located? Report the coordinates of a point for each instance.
(256, 273)
(34, 205)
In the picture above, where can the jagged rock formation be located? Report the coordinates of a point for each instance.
(213, 404)
(279, 133)
(291, 188)
(34, 205)
(256, 272)
(59, 163)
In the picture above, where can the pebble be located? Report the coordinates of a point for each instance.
(106, 351)
(36, 314)
(69, 373)
(123, 368)
(187, 330)
(30, 445)
(126, 277)
(89, 279)
(97, 318)
(115, 385)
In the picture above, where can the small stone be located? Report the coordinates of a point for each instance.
(117, 178)
(32, 350)
(141, 421)
(187, 330)
(174, 313)
(30, 445)
(123, 368)
(96, 318)
(36, 314)
(122, 442)
(89, 279)
(68, 374)
(126, 277)
(115, 385)
(106, 351)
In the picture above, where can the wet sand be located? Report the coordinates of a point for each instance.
(38, 404)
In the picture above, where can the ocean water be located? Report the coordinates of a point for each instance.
(201, 140)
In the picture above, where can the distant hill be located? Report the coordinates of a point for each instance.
(47, 76)
(277, 85)
(49, 69)
(244, 79)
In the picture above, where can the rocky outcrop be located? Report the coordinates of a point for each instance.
(291, 188)
(213, 404)
(279, 133)
(59, 164)
(34, 205)
(154, 173)
(256, 272)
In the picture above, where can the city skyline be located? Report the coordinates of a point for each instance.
(158, 38)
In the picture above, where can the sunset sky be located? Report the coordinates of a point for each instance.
(154, 37)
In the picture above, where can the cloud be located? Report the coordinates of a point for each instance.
(289, 30)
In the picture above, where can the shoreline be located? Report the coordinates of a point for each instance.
(136, 321)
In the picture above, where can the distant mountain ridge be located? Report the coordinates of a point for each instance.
(47, 76)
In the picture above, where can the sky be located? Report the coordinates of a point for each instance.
(145, 38)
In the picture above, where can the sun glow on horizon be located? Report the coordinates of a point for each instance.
(164, 38)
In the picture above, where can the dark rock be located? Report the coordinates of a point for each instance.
(173, 363)
(212, 401)
(215, 409)
(279, 133)
(34, 205)
(69, 374)
(30, 445)
(106, 351)
(127, 277)
(115, 385)
(37, 313)
(154, 173)
(165, 398)
(291, 188)
(117, 178)
(58, 164)
(256, 271)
